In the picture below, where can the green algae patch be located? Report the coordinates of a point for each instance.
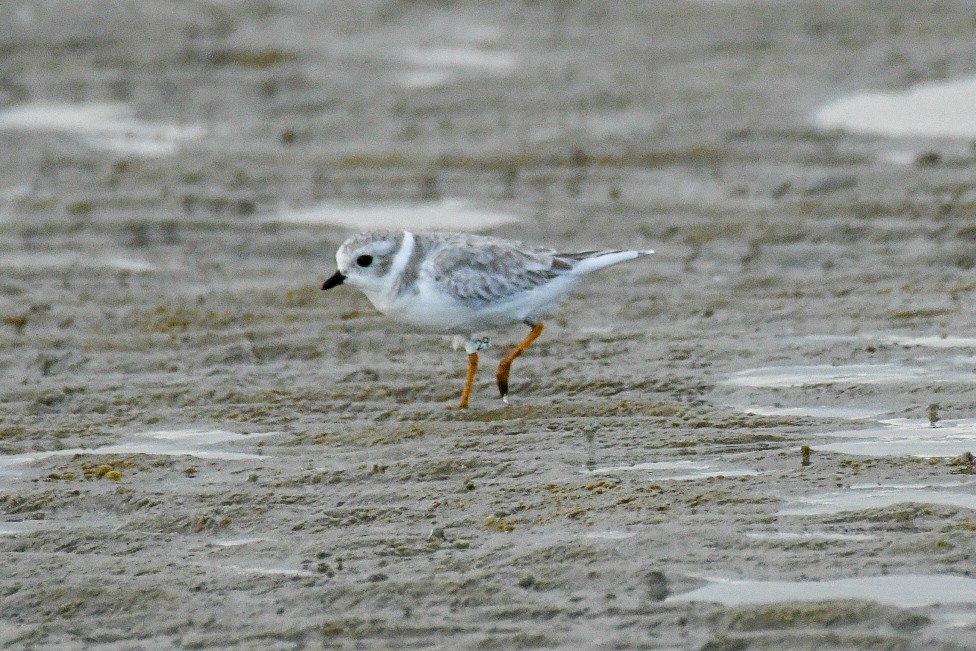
(603, 495)
(17, 321)
(923, 313)
(595, 409)
(165, 319)
(723, 496)
(78, 601)
(111, 469)
(499, 522)
(441, 469)
(398, 435)
(108, 468)
(961, 526)
(30, 503)
(246, 58)
(823, 614)
(837, 614)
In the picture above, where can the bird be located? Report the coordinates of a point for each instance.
(463, 284)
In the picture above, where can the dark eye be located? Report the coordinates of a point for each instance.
(364, 260)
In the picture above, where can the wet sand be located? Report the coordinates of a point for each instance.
(200, 449)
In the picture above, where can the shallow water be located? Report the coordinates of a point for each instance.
(930, 341)
(431, 67)
(21, 526)
(678, 470)
(946, 108)
(900, 448)
(426, 78)
(236, 542)
(815, 411)
(259, 570)
(859, 498)
(904, 591)
(955, 618)
(809, 375)
(609, 535)
(467, 58)
(928, 365)
(900, 437)
(36, 260)
(808, 535)
(449, 214)
(188, 442)
(941, 340)
(108, 126)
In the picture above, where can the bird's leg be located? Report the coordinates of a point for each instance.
(506, 364)
(472, 346)
(472, 369)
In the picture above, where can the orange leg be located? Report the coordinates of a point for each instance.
(472, 369)
(506, 364)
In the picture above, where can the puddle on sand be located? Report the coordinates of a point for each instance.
(929, 341)
(465, 58)
(678, 470)
(236, 542)
(609, 534)
(787, 536)
(426, 78)
(433, 67)
(188, 442)
(262, 571)
(859, 498)
(815, 411)
(110, 127)
(22, 526)
(898, 339)
(955, 618)
(903, 591)
(267, 571)
(71, 261)
(102, 521)
(452, 214)
(929, 369)
(899, 448)
(901, 437)
(931, 109)
(801, 376)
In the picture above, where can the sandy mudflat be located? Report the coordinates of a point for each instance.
(200, 449)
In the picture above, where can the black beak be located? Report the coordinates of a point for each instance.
(334, 281)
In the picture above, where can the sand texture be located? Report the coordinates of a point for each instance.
(200, 449)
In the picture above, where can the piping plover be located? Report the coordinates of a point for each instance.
(461, 284)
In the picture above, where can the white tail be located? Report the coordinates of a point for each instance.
(591, 261)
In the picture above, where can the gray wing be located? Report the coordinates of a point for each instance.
(487, 270)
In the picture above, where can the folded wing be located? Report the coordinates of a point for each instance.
(492, 272)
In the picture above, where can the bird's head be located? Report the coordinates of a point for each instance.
(364, 261)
